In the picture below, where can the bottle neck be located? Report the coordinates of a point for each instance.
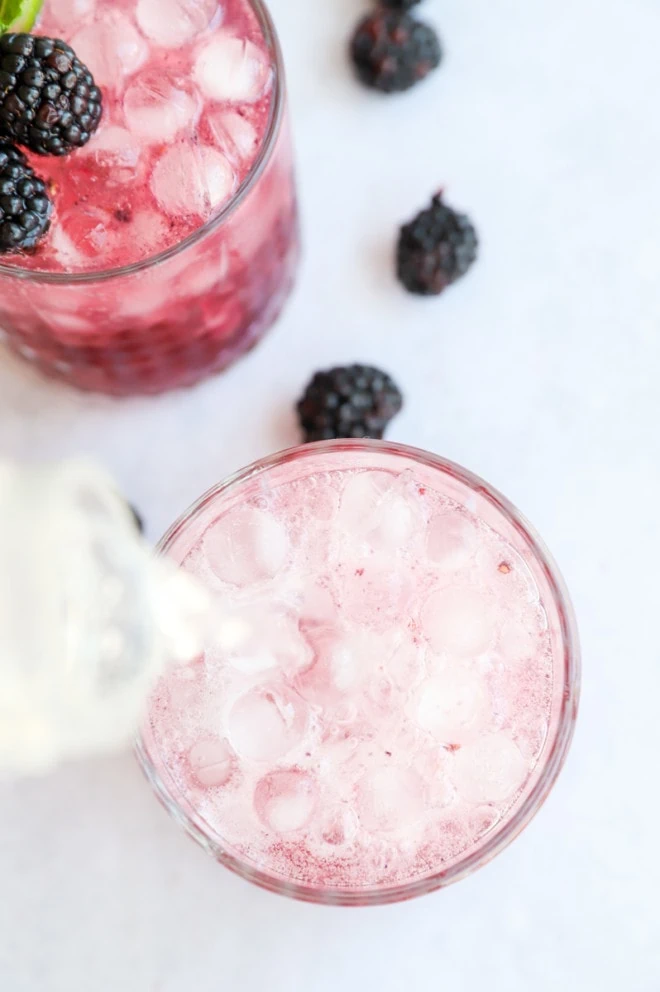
(88, 616)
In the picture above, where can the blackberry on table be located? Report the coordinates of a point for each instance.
(435, 249)
(391, 50)
(348, 401)
(25, 208)
(48, 99)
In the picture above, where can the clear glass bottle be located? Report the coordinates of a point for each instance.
(87, 616)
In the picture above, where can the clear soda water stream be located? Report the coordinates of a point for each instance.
(88, 616)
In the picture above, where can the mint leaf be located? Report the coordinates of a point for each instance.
(19, 15)
(9, 11)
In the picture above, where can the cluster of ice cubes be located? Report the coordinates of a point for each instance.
(183, 110)
(357, 731)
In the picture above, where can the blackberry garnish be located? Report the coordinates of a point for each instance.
(48, 99)
(435, 249)
(392, 51)
(349, 401)
(25, 208)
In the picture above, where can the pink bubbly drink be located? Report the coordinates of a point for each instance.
(174, 241)
(393, 685)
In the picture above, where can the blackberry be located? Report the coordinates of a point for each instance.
(349, 401)
(391, 51)
(48, 99)
(435, 249)
(25, 208)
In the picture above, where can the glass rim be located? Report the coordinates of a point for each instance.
(550, 763)
(266, 149)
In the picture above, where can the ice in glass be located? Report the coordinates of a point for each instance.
(174, 239)
(393, 684)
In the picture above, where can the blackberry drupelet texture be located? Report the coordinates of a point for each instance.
(48, 99)
(435, 249)
(348, 401)
(391, 50)
(25, 208)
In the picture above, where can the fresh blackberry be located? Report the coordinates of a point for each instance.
(435, 249)
(25, 208)
(349, 401)
(391, 51)
(48, 99)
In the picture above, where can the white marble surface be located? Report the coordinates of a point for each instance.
(541, 372)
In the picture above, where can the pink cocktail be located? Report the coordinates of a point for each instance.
(393, 684)
(174, 238)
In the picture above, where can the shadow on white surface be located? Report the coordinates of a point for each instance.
(102, 867)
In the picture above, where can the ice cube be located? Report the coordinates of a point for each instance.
(211, 762)
(231, 633)
(83, 234)
(192, 180)
(261, 637)
(158, 105)
(451, 540)
(112, 48)
(266, 722)
(391, 798)
(246, 546)
(285, 800)
(453, 705)
(232, 69)
(519, 640)
(374, 510)
(148, 232)
(459, 621)
(66, 253)
(234, 134)
(490, 769)
(343, 663)
(71, 11)
(172, 23)
(114, 148)
(70, 326)
(282, 633)
(243, 646)
(139, 299)
(317, 683)
(208, 271)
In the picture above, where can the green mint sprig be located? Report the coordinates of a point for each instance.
(18, 15)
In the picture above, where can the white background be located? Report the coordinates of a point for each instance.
(540, 371)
